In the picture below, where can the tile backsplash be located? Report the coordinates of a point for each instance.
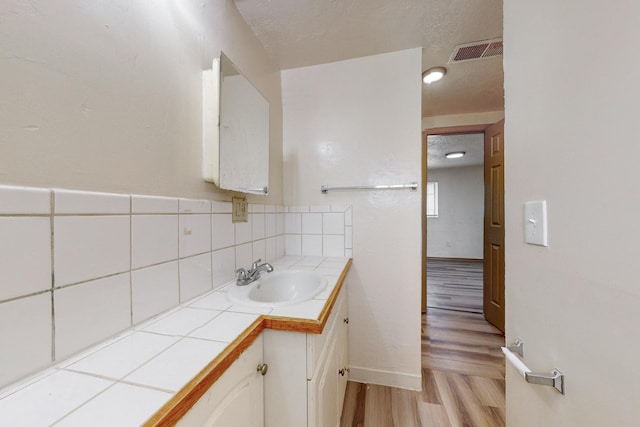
(77, 267)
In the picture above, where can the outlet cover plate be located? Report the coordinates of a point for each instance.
(240, 209)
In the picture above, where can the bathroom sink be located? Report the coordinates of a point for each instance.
(279, 288)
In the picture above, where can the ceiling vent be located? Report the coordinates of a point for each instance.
(476, 50)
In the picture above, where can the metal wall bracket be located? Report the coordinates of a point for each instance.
(555, 379)
(517, 347)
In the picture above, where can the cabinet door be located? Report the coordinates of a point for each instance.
(322, 391)
(342, 356)
(236, 399)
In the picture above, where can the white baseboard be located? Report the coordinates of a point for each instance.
(386, 378)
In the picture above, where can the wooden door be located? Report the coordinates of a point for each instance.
(494, 224)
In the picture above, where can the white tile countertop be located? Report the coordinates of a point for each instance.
(126, 379)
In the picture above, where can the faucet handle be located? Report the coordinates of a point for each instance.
(242, 273)
(255, 264)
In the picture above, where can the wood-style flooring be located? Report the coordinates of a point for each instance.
(454, 285)
(462, 380)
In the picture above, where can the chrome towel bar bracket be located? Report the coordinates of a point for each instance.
(554, 379)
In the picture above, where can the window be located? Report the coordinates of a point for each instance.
(432, 199)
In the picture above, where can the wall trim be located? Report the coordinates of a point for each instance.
(386, 378)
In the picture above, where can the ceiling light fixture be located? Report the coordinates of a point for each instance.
(455, 155)
(433, 74)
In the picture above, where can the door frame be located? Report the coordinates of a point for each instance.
(448, 130)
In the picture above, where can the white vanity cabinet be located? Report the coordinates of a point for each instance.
(236, 398)
(307, 373)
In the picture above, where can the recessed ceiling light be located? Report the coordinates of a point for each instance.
(454, 155)
(433, 74)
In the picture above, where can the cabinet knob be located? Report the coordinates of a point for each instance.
(341, 372)
(263, 368)
(346, 320)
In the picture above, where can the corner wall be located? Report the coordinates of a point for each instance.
(571, 138)
(357, 122)
(106, 96)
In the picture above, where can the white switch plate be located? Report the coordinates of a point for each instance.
(535, 223)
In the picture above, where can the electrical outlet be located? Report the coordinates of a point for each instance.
(240, 210)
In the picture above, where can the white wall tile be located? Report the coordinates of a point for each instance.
(173, 368)
(154, 239)
(311, 245)
(348, 237)
(280, 246)
(348, 253)
(339, 208)
(154, 290)
(87, 247)
(195, 206)
(224, 266)
(270, 249)
(123, 356)
(293, 244)
(135, 405)
(348, 217)
(195, 276)
(44, 402)
(298, 208)
(259, 250)
(24, 200)
(91, 312)
(222, 231)
(269, 208)
(280, 223)
(221, 207)
(312, 223)
(333, 223)
(25, 256)
(243, 231)
(86, 202)
(256, 208)
(25, 334)
(154, 205)
(244, 255)
(293, 223)
(270, 224)
(320, 208)
(257, 226)
(194, 234)
(332, 245)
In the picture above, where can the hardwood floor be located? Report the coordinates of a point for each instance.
(462, 380)
(454, 285)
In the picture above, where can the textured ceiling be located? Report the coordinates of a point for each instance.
(299, 33)
(439, 145)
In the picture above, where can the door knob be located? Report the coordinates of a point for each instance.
(263, 368)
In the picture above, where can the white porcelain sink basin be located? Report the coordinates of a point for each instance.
(279, 288)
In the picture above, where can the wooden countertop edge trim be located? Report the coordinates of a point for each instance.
(179, 405)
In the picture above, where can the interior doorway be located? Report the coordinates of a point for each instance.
(455, 221)
(443, 132)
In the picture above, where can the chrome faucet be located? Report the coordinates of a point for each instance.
(247, 276)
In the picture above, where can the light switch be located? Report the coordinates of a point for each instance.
(535, 223)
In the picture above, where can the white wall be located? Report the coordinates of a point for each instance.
(107, 95)
(357, 122)
(572, 139)
(458, 231)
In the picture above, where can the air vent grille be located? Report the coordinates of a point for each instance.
(476, 50)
